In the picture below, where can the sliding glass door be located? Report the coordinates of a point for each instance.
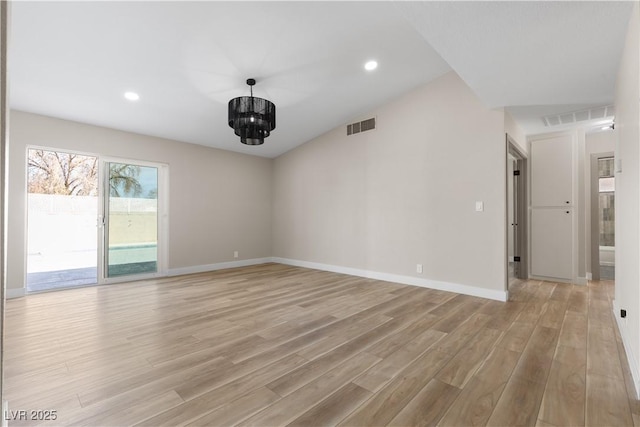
(65, 202)
(131, 219)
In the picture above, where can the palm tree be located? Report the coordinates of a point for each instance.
(123, 180)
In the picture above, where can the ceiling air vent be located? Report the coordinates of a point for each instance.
(362, 126)
(595, 113)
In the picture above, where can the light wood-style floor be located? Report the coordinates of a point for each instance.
(276, 345)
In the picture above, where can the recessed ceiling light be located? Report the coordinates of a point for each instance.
(131, 96)
(371, 65)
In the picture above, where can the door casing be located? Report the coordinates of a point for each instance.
(520, 210)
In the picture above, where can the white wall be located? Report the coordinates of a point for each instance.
(515, 132)
(4, 121)
(403, 194)
(628, 193)
(220, 201)
(600, 142)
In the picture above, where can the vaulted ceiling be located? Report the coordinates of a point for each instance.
(74, 60)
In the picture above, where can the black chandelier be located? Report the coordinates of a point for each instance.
(251, 118)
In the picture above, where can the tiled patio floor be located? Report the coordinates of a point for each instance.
(48, 280)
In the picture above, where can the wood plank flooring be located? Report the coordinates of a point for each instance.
(274, 345)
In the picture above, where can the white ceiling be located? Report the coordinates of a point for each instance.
(533, 57)
(74, 60)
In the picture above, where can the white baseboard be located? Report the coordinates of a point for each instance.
(218, 266)
(581, 281)
(14, 293)
(631, 357)
(589, 276)
(407, 280)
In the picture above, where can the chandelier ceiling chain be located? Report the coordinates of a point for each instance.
(252, 118)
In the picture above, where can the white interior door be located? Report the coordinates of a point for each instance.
(552, 172)
(551, 243)
(553, 201)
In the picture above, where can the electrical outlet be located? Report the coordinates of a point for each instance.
(235, 254)
(419, 268)
(479, 206)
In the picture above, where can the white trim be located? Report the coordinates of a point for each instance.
(15, 293)
(5, 412)
(218, 266)
(407, 280)
(582, 281)
(631, 358)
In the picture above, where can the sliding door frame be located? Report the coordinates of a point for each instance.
(163, 214)
(162, 218)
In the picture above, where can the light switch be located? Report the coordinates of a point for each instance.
(479, 206)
